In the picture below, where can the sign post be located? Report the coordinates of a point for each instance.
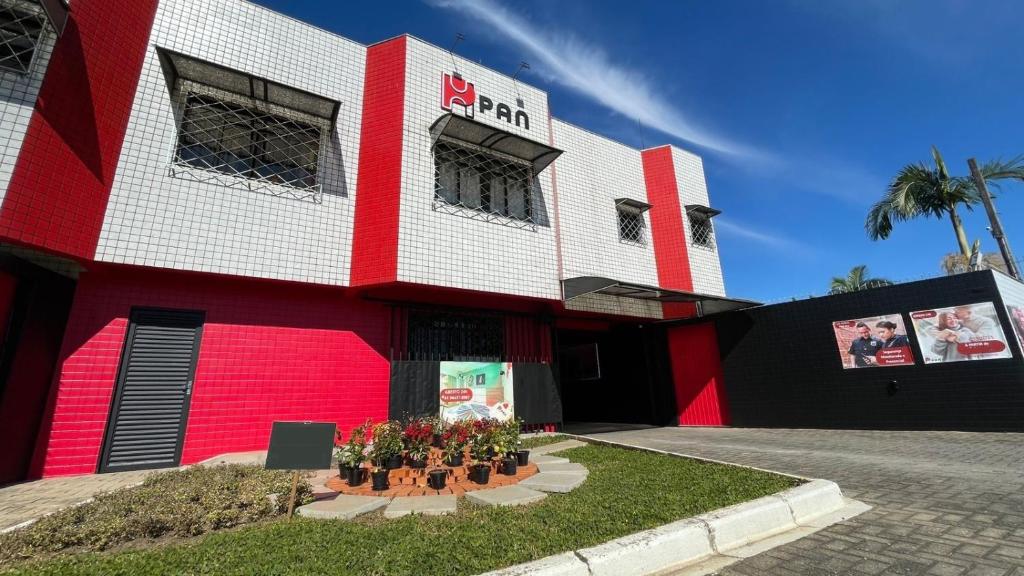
(300, 446)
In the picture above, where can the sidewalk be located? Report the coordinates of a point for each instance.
(29, 500)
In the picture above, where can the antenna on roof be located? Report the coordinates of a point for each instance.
(640, 132)
(451, 52)
(522, 66)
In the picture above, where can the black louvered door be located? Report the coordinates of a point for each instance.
(154, 385)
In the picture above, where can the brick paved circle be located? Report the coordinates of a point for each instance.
(945, 503)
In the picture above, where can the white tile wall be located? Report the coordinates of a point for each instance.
(154, 219)
(18, 94)
(443, 249)
(705, 267)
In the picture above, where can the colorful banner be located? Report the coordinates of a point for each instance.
(1012, 292)
(873, 342)
(958, 333)
(476, 390)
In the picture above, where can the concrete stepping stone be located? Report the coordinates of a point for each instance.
(344, 507)
(545, 459)
(563, 467)
(556, 447)
(554, 481)
(427, 505)
(506, 496)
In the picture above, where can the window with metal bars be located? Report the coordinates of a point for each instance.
(478, 184)
(631, 225)
(448, 336)
(21, 28)
(248, 142)
(701, 231)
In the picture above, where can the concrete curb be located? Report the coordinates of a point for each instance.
(725, 536)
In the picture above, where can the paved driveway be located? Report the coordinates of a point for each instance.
(945, 503)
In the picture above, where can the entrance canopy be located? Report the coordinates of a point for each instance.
(484, 136)
(706, 304)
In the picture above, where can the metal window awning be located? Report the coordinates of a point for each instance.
(706, 303)
(701, 210)
(634, 204)
(56, 13)
(490, 138)
(180, 66)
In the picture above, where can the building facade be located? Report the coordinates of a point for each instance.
(215, 216)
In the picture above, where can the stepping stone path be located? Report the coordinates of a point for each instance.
(556, 474)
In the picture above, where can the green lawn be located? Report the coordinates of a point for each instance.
(627, 491)
(538, 441)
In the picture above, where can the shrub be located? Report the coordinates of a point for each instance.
(387, 441)
(181, 503)
(353, 452)
(418, 434)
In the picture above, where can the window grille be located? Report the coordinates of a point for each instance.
(701, 231)
(250, 145)
(21, 28)
(448, 336)
(483, 185)
(631, 225)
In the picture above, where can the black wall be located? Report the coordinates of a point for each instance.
(782, 367)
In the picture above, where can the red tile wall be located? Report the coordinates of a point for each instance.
(269, 351)
(667, 232)
(61, 182)
(697, 375)
(378, 192)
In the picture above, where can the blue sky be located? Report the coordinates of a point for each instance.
(801, 109)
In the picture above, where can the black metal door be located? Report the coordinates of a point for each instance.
(154, 385)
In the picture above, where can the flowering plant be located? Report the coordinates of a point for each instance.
(484, 438)
(419, 433)
(508, 436)
(387, 440)
(456, 437)
(353, 452)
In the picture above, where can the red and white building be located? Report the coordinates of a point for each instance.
(215, 216)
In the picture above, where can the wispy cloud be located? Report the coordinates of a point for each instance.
(773, 240)
(562, 58)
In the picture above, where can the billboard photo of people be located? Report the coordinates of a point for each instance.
(874, 341)
(959, 333)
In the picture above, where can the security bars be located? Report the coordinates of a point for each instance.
(253, 145)
(701, 231)
(631, 225)
(482, 185)
(21, 28)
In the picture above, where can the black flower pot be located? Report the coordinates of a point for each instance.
(489, 453)
(380, 480)
(437, 441)
(481, 474)
(394, 462)
(523, 457)
(509, 467)
(354, 475)
(455, 460)
(418, 463)
(436, 479)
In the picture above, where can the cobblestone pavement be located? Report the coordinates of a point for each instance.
(945, 503)
(30, 500)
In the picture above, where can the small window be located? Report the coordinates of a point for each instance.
(472, 182)
(631, 225)
(247, 142)
(21, 27)
(701, 231)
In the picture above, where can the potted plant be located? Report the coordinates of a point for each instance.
(455, 439)
(480, 472)
(387, 445)
(436, 478)
(379, 478)
(485, 434)
(515, 441)
(352, 454)
(506, 443)
(418, 434)
(437, 427)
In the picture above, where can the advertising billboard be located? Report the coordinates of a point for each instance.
(1012, 292)
(958, 333)
(476, 390)
(873, 342)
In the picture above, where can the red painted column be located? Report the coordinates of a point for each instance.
(666, 214)
(378, 192)
(697, 375)
(61, 182)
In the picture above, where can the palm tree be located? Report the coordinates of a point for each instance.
(922, 190)
(856, 280)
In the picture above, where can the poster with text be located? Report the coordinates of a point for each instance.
(476, 390)
(958, 333)
(873, 342)
(1015, 310)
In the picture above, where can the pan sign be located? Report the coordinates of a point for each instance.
(300, 446)
(457, 92)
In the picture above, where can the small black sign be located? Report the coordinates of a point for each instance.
(300, 446)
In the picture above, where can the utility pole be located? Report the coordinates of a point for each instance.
(993, 218)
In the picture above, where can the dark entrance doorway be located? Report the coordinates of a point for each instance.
(618, 375)
(154, 387)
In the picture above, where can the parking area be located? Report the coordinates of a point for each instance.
(945, 503)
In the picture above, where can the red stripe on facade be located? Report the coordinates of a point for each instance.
(61, 182)
(697, 375)
(378, 193)
(667, 232)
(269, 351)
